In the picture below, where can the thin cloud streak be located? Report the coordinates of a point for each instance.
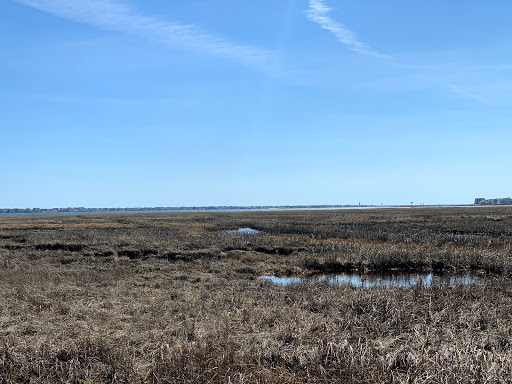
(458, 91)
(115, 16)
(318, 13)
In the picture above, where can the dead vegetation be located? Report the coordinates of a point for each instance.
(175, 298)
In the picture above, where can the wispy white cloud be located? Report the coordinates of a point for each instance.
(116, 16)
(461, 92)
(318, 12)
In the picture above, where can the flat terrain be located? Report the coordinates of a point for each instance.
(176, 298)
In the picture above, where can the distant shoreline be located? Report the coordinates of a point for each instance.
(82, 210)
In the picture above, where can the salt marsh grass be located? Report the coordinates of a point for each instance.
(176, 298)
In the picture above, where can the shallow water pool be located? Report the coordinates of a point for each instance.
(379, 280)
(245, 231)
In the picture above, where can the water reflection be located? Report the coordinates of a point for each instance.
(379, 280)
(245, 231)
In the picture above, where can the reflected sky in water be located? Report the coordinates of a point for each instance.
(379, 280)
(245, 231)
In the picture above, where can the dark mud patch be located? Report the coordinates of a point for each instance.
(16, 239)
(11, 247)
(283, 251)
(134, 254)
(59, 247)
(189, 255)
(315, 266)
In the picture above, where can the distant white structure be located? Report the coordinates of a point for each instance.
(498, 201)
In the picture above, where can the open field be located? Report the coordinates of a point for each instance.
(175, 298)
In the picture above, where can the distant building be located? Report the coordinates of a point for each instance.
(497, 201)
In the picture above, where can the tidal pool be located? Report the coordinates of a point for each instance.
(379, 280)
(245, 231)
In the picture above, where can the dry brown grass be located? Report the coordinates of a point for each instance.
(174, 298)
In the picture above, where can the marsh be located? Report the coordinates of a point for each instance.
(176, 298)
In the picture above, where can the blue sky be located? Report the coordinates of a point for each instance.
(116, 103)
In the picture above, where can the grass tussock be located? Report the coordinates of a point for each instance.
(174, 298)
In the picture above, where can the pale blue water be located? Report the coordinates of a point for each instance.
(376, 280)
(245, 231)
(96, 211)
